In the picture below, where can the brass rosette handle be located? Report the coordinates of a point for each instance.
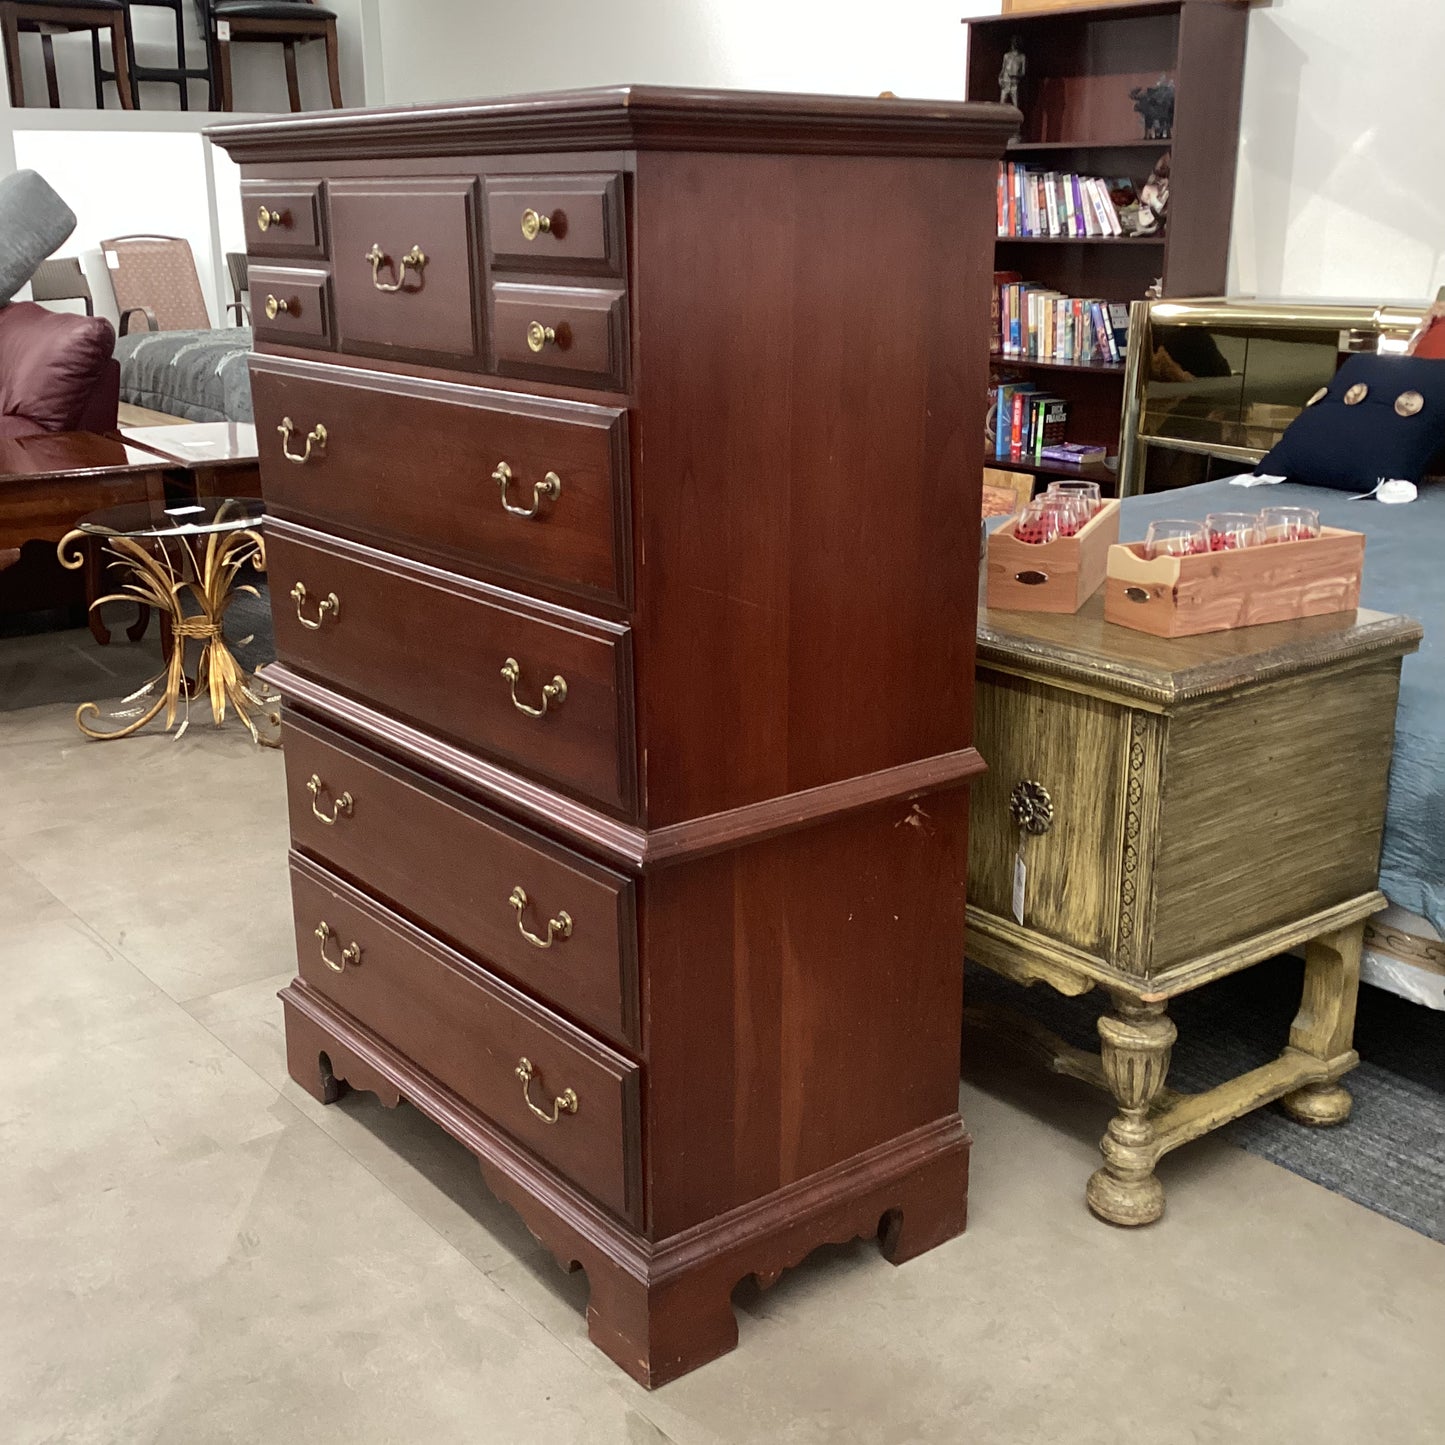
(350, 952)
(554, 693)
(539, 336)
(281, 306)
(327, 606)
(534, 223)
(415, 258)
(564, 1103)
(548, 489)
(266, 218)
(315, 438)
(558, 927)
(1031, 807)
(340, 806)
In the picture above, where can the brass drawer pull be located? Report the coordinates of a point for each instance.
(550, 487)
(266, 218)
(539, 336)
(350, 952)
(1031, 807)
(534, 223)
(315, 438)
(340, 807)
(553, 692)
(558, 927)
(275, 307)
(327, 604)
(378, 258)
(564, 1103)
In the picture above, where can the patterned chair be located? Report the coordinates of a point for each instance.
(155, 277)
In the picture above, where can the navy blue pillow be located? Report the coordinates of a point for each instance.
(1382, 417)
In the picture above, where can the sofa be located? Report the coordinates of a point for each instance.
(57, 371)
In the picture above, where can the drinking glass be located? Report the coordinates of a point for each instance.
(1228, 531)
(1289, 524)
(1173, 538)
(1040, 522)
(1073, 508)
(1088, 490)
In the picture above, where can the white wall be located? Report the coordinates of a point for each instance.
(1340, 190)
(447, 49)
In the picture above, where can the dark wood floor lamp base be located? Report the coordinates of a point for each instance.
(658, 1309)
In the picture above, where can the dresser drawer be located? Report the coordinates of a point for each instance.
(291, 305)
(559, 223)
(523, 485)
(569, 334)
(455, 868)
(547, 690)
(283, 218)
(406, 263)
(474, 1033)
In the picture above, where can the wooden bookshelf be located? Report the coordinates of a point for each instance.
(1083, 60)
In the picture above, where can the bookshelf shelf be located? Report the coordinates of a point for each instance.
(1095, 472)
(1083, 60)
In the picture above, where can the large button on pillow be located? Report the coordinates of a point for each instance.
(1381, 418)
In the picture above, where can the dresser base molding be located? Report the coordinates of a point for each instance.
(660, 1309)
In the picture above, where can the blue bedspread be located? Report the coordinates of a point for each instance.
(1404, 572)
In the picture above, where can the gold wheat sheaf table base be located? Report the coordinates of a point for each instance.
(191, 588)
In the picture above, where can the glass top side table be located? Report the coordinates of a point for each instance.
(183, 560)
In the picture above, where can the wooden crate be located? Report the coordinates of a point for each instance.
(1216, 591)
(1055, 576)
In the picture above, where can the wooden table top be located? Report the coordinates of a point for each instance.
(73, 454)
(1118, 661)
(198, 444)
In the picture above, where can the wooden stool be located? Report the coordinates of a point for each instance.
(49, 18)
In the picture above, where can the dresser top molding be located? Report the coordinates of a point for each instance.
(1095, 656)
(634, 117)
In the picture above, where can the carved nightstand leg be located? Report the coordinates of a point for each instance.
(1137, 1039)
(1324, 1027)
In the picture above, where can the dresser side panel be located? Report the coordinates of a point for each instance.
(802, 1002)
(810, 375)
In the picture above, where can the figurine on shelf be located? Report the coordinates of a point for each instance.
(1015, 67)
(1156, 108)
(1154, 199)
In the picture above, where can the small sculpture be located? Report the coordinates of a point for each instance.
(1015, 67)
(1156, 108)
(1154, 199)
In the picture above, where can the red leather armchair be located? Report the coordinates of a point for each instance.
(56, 371)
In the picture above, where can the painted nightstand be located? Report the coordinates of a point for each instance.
(1160, 813)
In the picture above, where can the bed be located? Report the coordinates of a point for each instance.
(1223, 381)
(199, 375)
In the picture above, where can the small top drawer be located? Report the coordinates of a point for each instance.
(291, 305)
(576, 335)
(283, 218)
(562, 223)
(550, 920)
(406, 268)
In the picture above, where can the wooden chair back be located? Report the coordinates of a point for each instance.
(156, 276)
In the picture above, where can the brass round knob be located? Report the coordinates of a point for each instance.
(539, 336)
(266, 218)
(534, 223)
(275, 307)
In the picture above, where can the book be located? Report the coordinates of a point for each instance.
(1075, 454)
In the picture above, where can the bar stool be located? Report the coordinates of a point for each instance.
(49, 18)
(285, 21)
(179, 74)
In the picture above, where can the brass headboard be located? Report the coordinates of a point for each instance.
(1223, 378)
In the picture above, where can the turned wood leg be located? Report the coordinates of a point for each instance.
(333, 65)
(94, 582)
(137, 629)
(1136, 1041)
(223, 69)
(120, 61)
(10, 30)
(293, 84)
(1324, 1027)
(52, 80)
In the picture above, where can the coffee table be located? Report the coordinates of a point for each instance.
(183, 560)
(1160, 813)
(219, 456)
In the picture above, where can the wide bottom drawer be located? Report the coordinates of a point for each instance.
(568, 1098)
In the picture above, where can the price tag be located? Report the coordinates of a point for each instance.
(223, 30)
(1021, 881)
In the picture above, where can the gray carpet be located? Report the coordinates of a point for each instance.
(1389, 1156)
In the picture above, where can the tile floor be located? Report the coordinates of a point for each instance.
(194, 1251)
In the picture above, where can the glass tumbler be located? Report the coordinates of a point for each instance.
(1039, 522)
(1173, 538)
(1228, 531)
(1289, 524)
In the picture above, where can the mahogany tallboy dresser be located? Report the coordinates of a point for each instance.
(620, 450)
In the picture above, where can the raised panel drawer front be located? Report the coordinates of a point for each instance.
(524, 485)
(576, 335)
(546, 690)
(559, 223)
(291, 305)
(567, 1097)
(283, 218)
(553, 922)
(406, 261)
